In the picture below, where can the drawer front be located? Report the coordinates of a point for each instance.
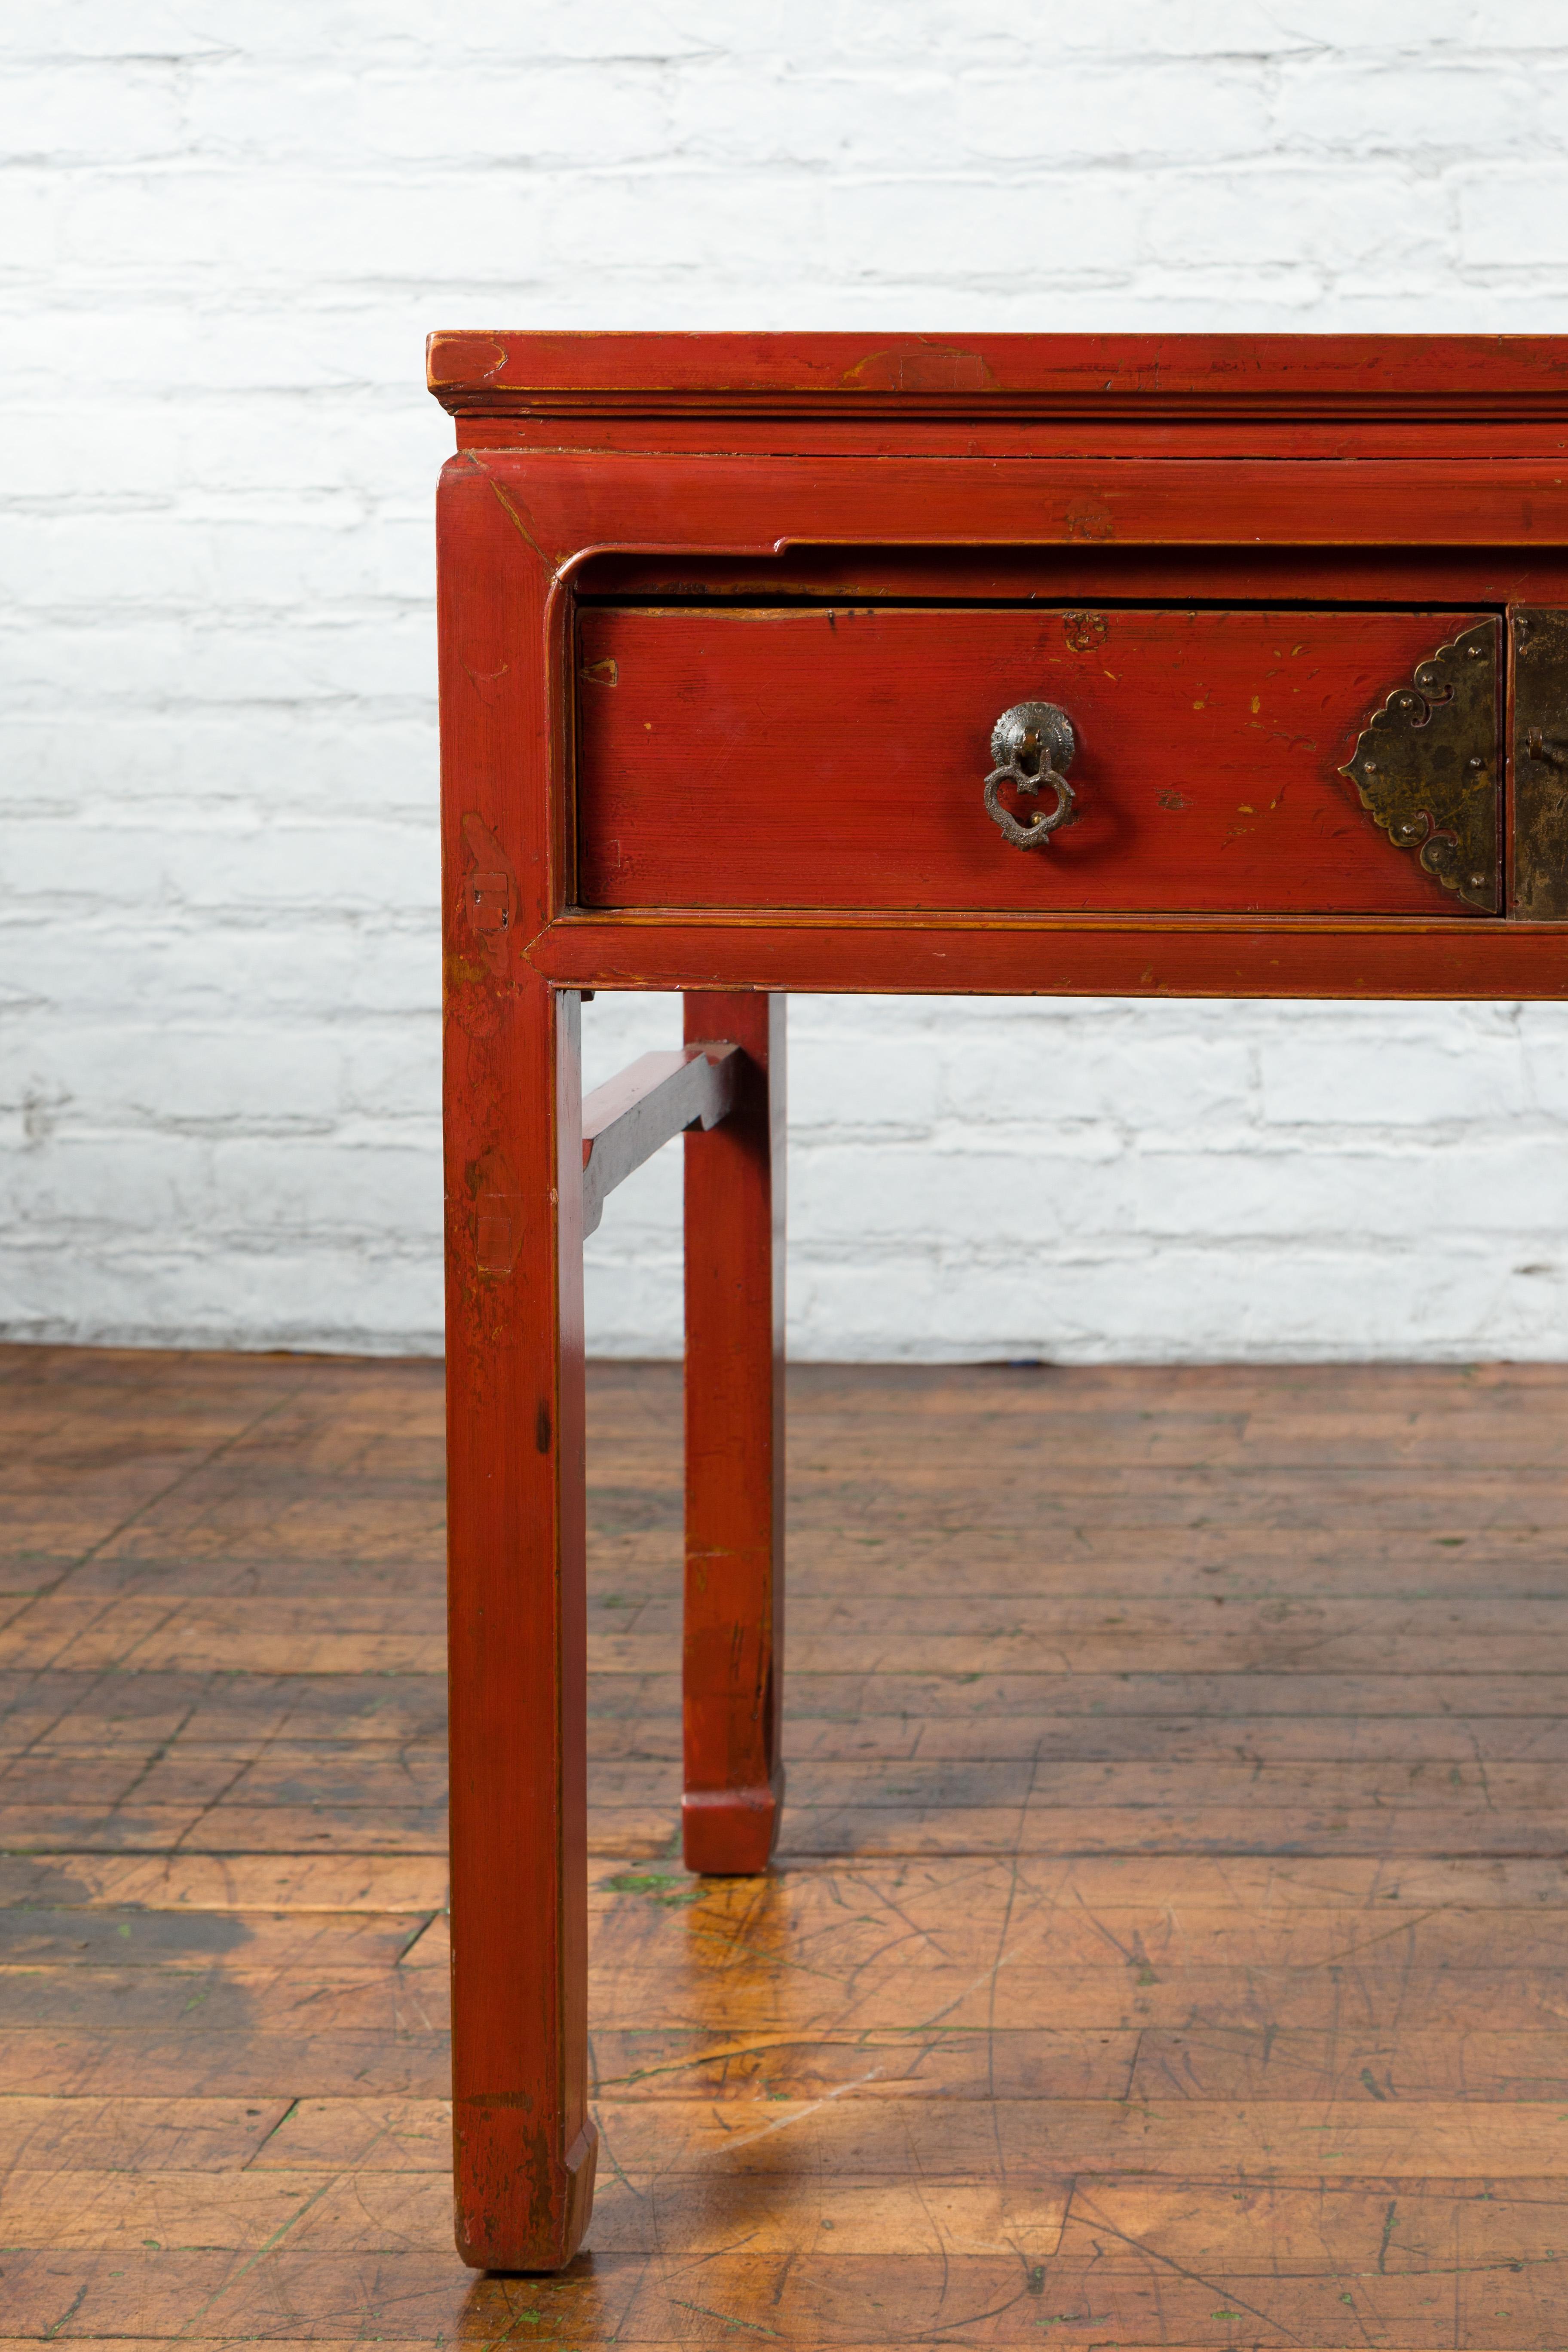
(838, 758)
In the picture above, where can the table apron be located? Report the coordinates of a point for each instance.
(849, 955)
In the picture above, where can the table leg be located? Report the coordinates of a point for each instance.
(525, 2145)
(734, 1449)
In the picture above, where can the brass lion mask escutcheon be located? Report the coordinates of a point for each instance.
(1426, 765)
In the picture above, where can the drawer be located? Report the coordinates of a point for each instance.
(1247, 760)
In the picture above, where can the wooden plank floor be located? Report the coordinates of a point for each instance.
(1168, 1948)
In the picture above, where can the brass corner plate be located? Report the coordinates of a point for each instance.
(1539, 647)
(1427, 766)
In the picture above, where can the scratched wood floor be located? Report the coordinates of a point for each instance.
(1168, 1949)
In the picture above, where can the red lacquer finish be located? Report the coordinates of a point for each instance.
(524, 2144)
(1177, 957)
(834, 757)
(737, 802)
(733, 1666)
(571, 503)
(497, 373)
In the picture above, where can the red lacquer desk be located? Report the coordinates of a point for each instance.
(1204, 667)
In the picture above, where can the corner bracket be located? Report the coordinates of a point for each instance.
(1427, 766)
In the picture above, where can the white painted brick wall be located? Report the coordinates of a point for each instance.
(224, 232)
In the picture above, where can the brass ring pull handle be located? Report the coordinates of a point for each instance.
(1033, 745)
